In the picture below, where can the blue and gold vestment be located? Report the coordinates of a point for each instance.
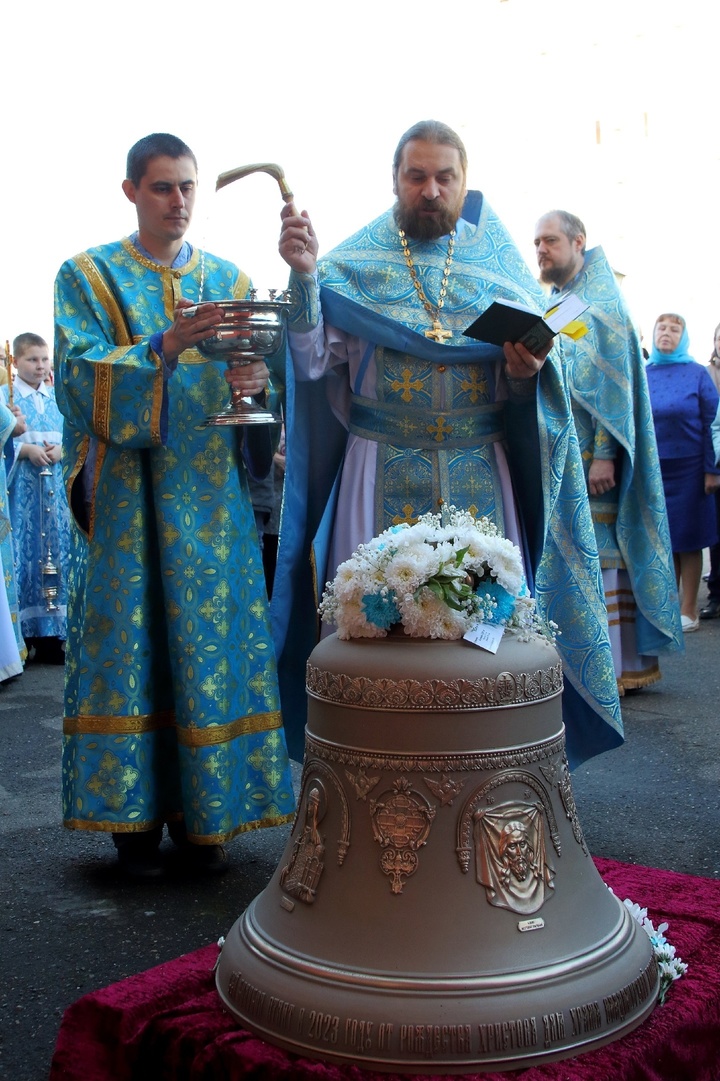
(613, 417)
(171, 701)
(435, 415)
(40, 517)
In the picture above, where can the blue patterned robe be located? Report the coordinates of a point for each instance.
(613, 417)
(15, 652)
(171, 704)
(40, 518)
(438, 401)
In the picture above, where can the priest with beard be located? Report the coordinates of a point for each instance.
(393, 413)
(614, 422)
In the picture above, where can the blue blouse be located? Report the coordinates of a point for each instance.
(684, 403)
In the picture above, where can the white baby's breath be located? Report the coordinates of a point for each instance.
(670, 967)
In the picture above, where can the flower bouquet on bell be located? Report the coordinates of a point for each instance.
(438, 578)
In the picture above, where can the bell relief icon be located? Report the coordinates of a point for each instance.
(510, 856)
(300, 877)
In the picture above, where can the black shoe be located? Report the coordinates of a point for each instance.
(49, 650)
(205, 859)
(140, 864)
(138, 853)
(711, 610)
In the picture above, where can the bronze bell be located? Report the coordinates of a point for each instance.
(436, 909)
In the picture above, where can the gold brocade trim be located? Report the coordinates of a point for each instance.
(73, 475)
(103, 826)
(507, 689)
(205, 839)
(612, 563)
(192, 356)
(245, 827)
(150, 264)
(242, 286)
(159, 390)
(435, 763)
(172, 289)
(187, 737)
(121, 726)
(101, 451)
(103, 370)
(101, 400)
(635, 681)
(107, 298)
(604, 517)
(223, 733)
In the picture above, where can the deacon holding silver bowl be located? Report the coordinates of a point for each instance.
(172, 712)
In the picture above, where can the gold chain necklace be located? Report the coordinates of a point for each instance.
(438, 332)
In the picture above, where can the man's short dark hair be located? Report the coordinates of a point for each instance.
(26, 341)
(158, 145)
(431, 131)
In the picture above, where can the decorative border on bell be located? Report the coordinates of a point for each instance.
(506, 690)
(434, 763)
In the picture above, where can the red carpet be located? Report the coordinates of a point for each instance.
(167, 1024)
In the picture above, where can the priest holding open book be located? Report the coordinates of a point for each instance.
(428, 416)
(611, 407)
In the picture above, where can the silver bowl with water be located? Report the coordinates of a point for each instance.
(250, 330)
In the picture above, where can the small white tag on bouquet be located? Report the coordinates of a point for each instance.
(486, 635)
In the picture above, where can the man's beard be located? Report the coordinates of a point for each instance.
(557, 275)
(415, 225)
(519, 866)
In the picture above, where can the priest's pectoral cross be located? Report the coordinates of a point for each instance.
(438, 332)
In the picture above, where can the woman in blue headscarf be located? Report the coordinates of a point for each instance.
(684, 403)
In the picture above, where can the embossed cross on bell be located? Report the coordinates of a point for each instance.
(436, 909)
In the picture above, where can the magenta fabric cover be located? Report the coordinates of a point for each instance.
(167, 1024)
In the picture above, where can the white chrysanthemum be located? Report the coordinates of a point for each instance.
(409, 568)
(450, 624)
(506, 564)
(352, 622)
(423, 531)
(427, 616)
(461, 536)
(356, 577)
(446, 557)
(478, 546)
(347, 574)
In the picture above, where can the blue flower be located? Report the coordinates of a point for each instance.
(381, 609)
(503, 603)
